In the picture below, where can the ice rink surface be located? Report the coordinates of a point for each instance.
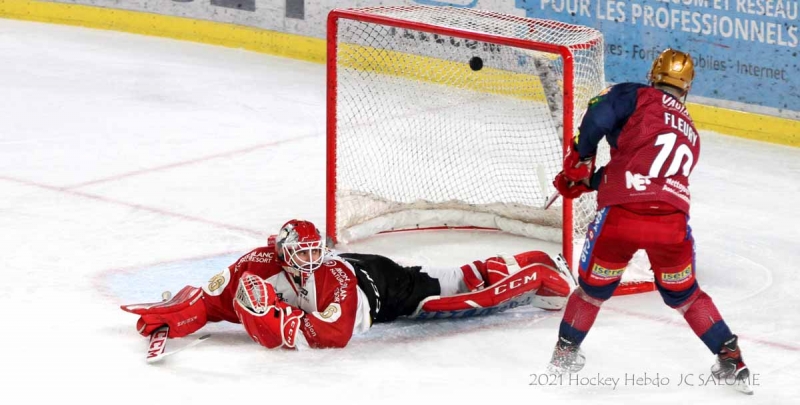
(131, 165)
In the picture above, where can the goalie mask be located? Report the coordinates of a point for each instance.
(299, 246)
(673, 68)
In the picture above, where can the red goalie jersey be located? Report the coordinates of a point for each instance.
(335, 307)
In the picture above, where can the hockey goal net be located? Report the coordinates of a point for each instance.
(455, 117)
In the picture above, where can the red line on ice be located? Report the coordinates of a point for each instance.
(76, 193)
(784, 346)
(186, 162)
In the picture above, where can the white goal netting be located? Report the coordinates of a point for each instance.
(443, 116)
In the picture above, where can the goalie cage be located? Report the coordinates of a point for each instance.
(421, 136)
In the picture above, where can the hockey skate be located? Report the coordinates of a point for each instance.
(730, 367)
(567, 358)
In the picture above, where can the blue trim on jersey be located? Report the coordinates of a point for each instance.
(599, 293)
(570, 333)
(592, 233)
(716, 335)
(605, 117)
(677, 298)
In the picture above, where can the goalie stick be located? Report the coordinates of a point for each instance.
(158, 340)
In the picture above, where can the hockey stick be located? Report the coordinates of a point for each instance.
(158, 340)
(554, 197)
(162, 354)
(551, 200)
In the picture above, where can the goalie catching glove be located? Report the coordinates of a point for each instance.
(269, 321)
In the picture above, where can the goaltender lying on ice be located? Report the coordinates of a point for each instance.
(295, 293)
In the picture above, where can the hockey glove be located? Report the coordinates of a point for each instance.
(269, 321)
(575, 168)
(569, 188)
(185, 313)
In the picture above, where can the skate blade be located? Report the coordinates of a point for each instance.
(562, 370)
(743, 387)
(552, 369)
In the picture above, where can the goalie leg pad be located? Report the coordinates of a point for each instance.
(514, 291)
(474, 275)
(555, 282)
(500, 267)
(539, 273)
(482, 274)
(553, 293)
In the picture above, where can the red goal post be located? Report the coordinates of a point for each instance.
(454, 117)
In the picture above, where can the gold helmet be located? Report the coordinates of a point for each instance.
(674, 68)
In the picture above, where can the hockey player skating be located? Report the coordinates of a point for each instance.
(295, 293)
(643, 203)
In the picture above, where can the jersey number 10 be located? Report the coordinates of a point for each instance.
(667, 143)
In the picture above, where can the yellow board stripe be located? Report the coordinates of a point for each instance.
(208, 32)
(746, 125)
(440, 71)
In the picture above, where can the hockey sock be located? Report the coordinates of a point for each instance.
(579, 316)
(706, 321)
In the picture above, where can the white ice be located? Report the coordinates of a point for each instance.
(130, 165)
